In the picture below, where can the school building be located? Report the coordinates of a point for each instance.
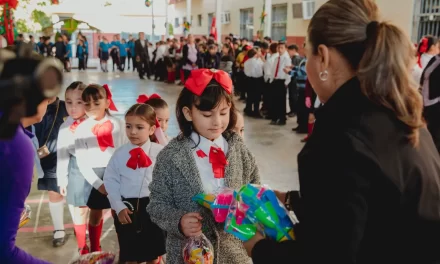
(289, 19)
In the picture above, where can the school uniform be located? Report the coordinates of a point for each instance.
(126, 179)
(430, 82)
(299, 75)
(160, 69)
(69, 57)
(105, 47)
(253, 69)
(123, 53)
(131, 54)
(211, 61)
(95, 143)
(69, 175)
(86, 57)
(268, 78)
(279, 88)
(182, 171)
(292, 88)
(47, 134)
(81, 55)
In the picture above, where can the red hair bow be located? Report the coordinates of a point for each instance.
(199, 79)
(109, 97)
(143, 98)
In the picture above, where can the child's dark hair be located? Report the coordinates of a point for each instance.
(210, 99)
(76, 86)
(94, 92)
(230, 50)
(157, 103)
(144, 111)
(212, 47)
(293, 47)
(251, 53)
(431, 41)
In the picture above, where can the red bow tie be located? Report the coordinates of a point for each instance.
(143, 98)
(218, 160)
(75, 124)
(103, 133)
(138, 159)
(199, 80)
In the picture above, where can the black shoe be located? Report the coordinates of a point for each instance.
(142, 78)
(268, 118)
(302, 131)
(58, 242)
(281, 123)
(295, 128)
(273, 123)
(291, 114)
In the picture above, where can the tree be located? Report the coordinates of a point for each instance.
(30, 16)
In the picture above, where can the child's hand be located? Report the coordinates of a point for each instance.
(102, 189)
(63, 191)
(124, 216)
(191, 224)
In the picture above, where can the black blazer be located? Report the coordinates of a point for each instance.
(185, 59)
(141, 51)
(367, 195)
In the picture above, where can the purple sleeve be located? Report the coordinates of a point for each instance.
(16, 167)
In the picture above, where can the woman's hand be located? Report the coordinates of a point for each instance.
(102, 189)
(281, 195)
(249, 245)
(191, 224)
(63, 191)
(124, 216)
(308, 102)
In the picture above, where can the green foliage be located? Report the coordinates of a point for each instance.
(70, 25)
(170, 29)
(21, 25)
(41, 18)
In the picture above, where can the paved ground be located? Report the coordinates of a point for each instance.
(275, 149)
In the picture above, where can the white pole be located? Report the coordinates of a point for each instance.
(167, 34)
(268, 19)
(218, 20)
(188, 12)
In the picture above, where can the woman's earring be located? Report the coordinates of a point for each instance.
(323, 75)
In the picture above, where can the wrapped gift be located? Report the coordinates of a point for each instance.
(256, 208)
(198, 250)
(96, 258)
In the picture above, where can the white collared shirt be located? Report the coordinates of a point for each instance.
(254, 68)
(161, 50)
(65, 148)
(143, 43)
(209, 182)
(267, 67)
(88, 153)
(284, 61)
(122, 181)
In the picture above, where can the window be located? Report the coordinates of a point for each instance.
(183, 20)
(247, 23)
(428, 19)
(297, 10)
(199, 20)
(176, 22)
(279, 22)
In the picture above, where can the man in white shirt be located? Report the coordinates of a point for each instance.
(253, 69)
(271, 56)
(279, 85)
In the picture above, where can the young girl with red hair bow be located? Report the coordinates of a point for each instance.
(96, 139)
(206, 156)
(127, 178)
(162, 115)
(426, 50)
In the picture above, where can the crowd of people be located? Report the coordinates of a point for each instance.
(369, 172)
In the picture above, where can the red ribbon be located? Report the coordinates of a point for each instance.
(103, 133)
(143, 98)
(138, 159)
(201, 154)
(75, 124)
(423, 49)
(109, 97)
(218, 160)
(199, 80)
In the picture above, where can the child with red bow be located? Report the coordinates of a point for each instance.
(162, 115)
(71, 182)
(127, 178)
(206, 156)
(96, 139)
(426, 50)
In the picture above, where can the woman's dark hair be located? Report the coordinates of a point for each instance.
(76, 86)
(94, 92)
(230, 49)
(157, 103)
(210, 99)
(431, 41)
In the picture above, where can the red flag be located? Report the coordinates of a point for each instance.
(214, 28)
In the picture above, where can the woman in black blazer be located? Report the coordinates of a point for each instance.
(369, 174)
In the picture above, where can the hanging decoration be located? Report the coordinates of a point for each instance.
(262, 20)
(7, 26)
(214, 28)
(186, 27)
(147, 3)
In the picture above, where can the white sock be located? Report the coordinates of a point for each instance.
(72, 212)
(57, 214)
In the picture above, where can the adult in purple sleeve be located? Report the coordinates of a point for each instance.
(17, 167)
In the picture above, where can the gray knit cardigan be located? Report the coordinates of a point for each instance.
(176, 180)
